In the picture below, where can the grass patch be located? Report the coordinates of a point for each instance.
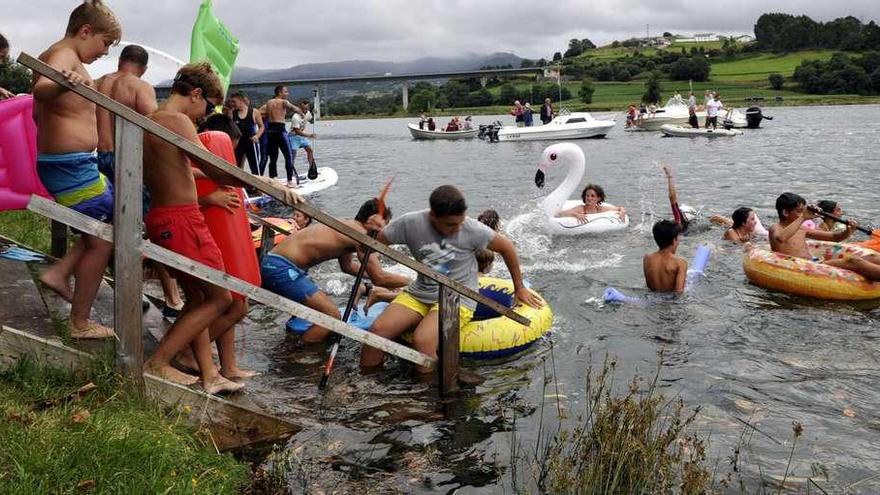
(108, 441)
(27, 228)
(756, 67)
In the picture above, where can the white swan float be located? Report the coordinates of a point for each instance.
(571, 156)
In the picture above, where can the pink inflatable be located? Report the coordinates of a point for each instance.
(18, 154)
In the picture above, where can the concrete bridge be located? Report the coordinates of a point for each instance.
(404, 80)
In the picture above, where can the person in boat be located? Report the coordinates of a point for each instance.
(652, 109)
(250, 124)
(664, 271)
(467, 124)
(452, 126)
(593, 196)
(431, 125)
(692, 111)
(546, 112)
(631, 114)
(789, 236)
(285, 269)
(299, 138)
(713, 108)
(517, 112)
(423, 119)
(743, 228)
(445, 239)
(643, 111)
(528, 118)
(67, 165)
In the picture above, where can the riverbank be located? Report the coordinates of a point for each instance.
(64, 433)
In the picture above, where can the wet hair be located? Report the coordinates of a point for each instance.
(490, 218)
(740, 216)
(221, 122)
(199, 75)
(305, 102)
(241, 95)
(135, 54)
(485, 258)
(279, 89)
(97, 15)
(599, 192)
(447, 201)
(827, 205)
(370, 208)
(4, 43)
(788, 201)
(665, 232)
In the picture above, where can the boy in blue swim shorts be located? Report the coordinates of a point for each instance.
(285, 270)
(67, 137)
(299, 137)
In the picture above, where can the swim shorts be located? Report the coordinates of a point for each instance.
(107, 166)
(298, 142)
(182, 229)
(465, 314)
(286, 279)
(75, 182)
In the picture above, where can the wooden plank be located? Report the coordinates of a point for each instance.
(127, 212)
(449, 343)
(231, 425)
(14, 344)
(269, 187)
(59, 239)
(91, 226)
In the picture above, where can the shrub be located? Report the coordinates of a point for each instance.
(776, 80)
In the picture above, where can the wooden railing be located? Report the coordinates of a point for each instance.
(129, 247)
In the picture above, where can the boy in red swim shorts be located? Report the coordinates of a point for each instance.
(175, 222)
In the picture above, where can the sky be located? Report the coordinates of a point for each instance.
(277, 34)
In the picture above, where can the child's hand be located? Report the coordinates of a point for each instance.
(622, 213)
(225, 198)
(851, 226)
(667, 171)
(74, 78)
(527, 296)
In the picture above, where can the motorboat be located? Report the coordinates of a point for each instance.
(567, 125)
(683, 131)
(438, 134)
(675, 112)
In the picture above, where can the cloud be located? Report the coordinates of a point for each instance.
(282, 33)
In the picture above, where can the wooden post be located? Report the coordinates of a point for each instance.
(59, 239)
(449, 340)
(267, 242)
(127, 238)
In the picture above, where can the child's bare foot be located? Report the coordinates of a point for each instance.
(221, 385)
(89, 330)
(169, 373)
(238, 373)
(372, 298)
(58, 284)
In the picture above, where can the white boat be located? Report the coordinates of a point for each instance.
(567, 125)
(682, 131)
(676, 113)
(426, 134)
(571, 157)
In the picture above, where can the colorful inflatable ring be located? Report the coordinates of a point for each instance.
(284, 223)
(808, 278)
(498, 337)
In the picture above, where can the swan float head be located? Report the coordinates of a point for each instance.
(565, 154)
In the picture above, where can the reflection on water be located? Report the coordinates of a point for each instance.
(740, 352)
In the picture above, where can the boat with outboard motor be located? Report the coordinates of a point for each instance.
(675, 112)
(567, 125)
(682, 131)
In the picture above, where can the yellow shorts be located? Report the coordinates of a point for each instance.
(404, 299)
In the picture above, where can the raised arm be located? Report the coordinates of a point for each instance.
(503, 246)
(670, 185)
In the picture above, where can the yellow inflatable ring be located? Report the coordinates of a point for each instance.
(809, 278)
(498, 337)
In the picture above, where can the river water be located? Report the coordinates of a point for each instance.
(739, 352)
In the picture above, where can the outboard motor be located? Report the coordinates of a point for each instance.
(489, 132)
(754, 116)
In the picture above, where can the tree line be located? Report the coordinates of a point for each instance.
(785, 32)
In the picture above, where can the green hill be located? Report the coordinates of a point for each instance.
(757, 66)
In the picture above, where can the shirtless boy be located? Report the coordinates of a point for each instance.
(276, 110)
(66, 163)
(300, 137)
(790, 237)
(664, 271)
(175, 222)
(285, 269)
(443, 238)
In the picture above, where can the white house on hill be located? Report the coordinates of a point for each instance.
(698, 38)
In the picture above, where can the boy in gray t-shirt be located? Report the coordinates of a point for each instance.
(446, 240)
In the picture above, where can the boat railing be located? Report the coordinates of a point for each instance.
(130, 248)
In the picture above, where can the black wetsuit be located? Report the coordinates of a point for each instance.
(246, 147)
(278, 140)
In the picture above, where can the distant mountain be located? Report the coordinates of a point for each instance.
(374, 67)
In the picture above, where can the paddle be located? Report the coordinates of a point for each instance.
(354, 289)
(814, 209)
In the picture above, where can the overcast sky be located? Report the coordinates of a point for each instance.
(278, 34)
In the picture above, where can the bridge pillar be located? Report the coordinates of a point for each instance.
(484, 81)
(316, 104)
(405, 90)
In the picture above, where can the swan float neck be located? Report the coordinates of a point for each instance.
(567, 155)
